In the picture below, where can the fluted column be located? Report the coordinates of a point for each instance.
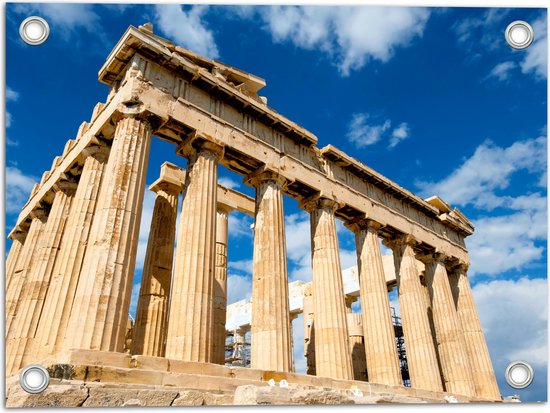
(271, 347)
(309, 330)
(190, 321)
(23, 267)
(421, 353)
(18, 239)
(332, 356)
(357, 347)
(100, 311)
(220, 284)
(149, 334)
(379, 334)
(29, 308)
(60, 297)
(483, 375)
(448, 332)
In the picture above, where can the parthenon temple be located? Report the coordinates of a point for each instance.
(70, 268)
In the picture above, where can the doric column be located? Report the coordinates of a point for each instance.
(379, 335)
(271, 333)
(421, 353)
(448, 332)
(190, 321)
(220, 284)
(23, 267)
(309, 330)
(332, 356)
(483, 375)
(18, 239)
(357, 347)
(149, 334)
(29, 308)
(100, 310)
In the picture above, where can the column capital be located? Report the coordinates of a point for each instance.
(400, 240)
(224, 208)
(364, 223)
(456, 265)
(263, 174)
(197, 143)
(18, 234)
(66, 186)
(39, 213)
(434, 257)
(167, 186)
(319, 201)
(99, 151)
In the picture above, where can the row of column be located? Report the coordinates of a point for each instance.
(80, 270)
(69, 282)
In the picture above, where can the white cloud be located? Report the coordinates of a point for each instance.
(536, 56)
(490, 168)
(228, 182)
(514, 318)
(508, 240)
(8, 119)
(187, 28)
(239, 287)
(511, 241)
(145, 226)
(18, 189)
(349, 36)
(64, 18)
(364, 131)
(239, 225)
(11, 95)
(399, 134)
(244, 266)
(363, 134)
(300, 364)
(502, 71)
(134, 299)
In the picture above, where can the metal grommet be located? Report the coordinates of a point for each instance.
(34, 379)
(519, 34)
(519, 374)
(34, 30)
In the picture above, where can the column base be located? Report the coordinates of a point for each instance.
(97, 378)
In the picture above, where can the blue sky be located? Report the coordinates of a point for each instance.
(432, 98)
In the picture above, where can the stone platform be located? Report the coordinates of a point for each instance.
(94, 378)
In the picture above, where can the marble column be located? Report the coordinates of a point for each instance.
(22, 334)
(270, 328)
(149, 335)
(448, 332)
(18, 240)
(23, 267)
(379, 334)
(483, 375)
(190, 320)
(357, 347)
(100, 311)
(421, 352)
(60, 297)
(332, 356)
(309, 330)
(220, 284)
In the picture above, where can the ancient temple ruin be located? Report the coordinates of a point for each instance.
(70, 268)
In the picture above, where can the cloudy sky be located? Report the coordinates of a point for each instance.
(432, 98)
